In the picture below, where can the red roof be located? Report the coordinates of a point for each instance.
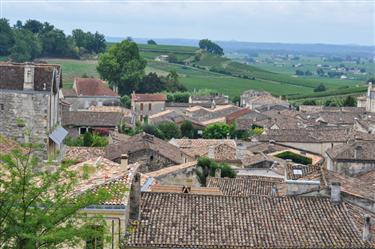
(93, 87)
(148, 97)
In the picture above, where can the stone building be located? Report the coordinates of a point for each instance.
(145, 105)
(88, 92)
(353, 158)
(29, 101)
(368, 101)
(149, 151)
(254, 100)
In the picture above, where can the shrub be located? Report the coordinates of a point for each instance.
(206, 167)
(187, 129)
(216, 131)
(169, 129)
(151, 129)
(320, 88)
(87, 140)
(295, 157)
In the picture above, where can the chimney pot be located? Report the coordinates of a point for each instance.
(366, 235)
(124, 160)
(218, 173)
(336, 192)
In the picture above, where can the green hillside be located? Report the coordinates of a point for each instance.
(152, 51)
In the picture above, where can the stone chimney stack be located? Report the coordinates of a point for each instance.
(218, 173)
(135, 198)
(366, 235)
(124, 161)
(336, 192)
(213, 104)
(28, 78)
(211, 152)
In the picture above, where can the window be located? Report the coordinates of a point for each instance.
(151, 157)
(141, 106)
(82, 130)
(149, 106)
(1, 107)
(95, 241)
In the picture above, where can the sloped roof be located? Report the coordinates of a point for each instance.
(138, 97)
(81, 154)
(143, 141)
(90, 118)
(92, 87)
(365, 151)
(8, 144)
(199, 147)
(172, 220)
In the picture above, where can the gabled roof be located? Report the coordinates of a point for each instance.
(90, 118)
(144, 141)
(92, 87)
(199, 147)
(81, 154)
(356, 151)
(138, 97)
(173, 220)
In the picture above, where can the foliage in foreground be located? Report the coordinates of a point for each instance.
(206, 167)
(87, 140)
(40, 206)
(295, 157)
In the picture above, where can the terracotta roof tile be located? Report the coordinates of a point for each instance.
(137, 97)
(92, 87)
(81, 154)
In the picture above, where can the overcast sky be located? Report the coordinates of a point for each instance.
(293, 21)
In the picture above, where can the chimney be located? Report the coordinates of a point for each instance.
(218, 173)
(366, 235)
(274, 190)
(28, 78)
(135, 198)
(358, 152)
(211, 152)
(124, 160)
(336, 192)
(213, 104)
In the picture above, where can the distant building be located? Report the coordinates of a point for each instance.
(255, 99)
(162, 58)
(145, 105)
(88, 92)
(209, 101)
(29, 100)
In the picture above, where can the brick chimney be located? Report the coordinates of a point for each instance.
(211, 152)
(218, 173)
(336, 192)
(366, 234)
(28, 77)
(135, 198)
(124, 160)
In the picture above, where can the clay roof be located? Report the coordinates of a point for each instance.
(120, 109)
(171, 169)
(355, 151)
(81, 154)
(186, 189)
(175, 220)
(307, 135)
(137, 97)
(90, 118)
(7, 145)
(199, 147)
(144, 141)
(167, 115)
(92, 87)
(246, 186)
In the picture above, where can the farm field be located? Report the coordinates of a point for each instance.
(221, 74)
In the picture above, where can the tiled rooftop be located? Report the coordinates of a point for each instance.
(92, 87)
(172, 220)
(81, 154)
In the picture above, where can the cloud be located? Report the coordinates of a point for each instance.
(285, 21)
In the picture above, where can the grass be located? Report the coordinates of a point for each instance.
(152, 51)
(75, 68)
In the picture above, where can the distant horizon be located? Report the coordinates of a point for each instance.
(290, 21)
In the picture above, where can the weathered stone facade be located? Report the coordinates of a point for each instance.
(149, 160)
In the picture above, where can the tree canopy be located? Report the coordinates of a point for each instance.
(151, 42)
(38, 207)
(211, 47)
(122, 66)
(216, 131)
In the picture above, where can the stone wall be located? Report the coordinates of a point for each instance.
(184, 176)
(28, 108)
(351, 168)
(79, 103)
(298, 187)
(149, 160)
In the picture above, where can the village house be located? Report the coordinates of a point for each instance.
(352, 159)
(29, 100)
(150, 152)
(209, 101)
(145, 105)
(368, 101)
(79, 122)
(88, 92)
(254, 100)
(268, 222)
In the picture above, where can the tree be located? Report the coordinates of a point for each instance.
(320, 88)
(172, 58)
(300, 72)
(38, 207)
(27, 46)
(151, 83)
(126, 101)
(309, 102)
(207, 167)
(320, 72)
(34, 26)
(187, 129)
(151, 42)
(151, 129)
(122, 66)
(169, 129)
(350, 101)
(172, 83)
(211, 47)
(6, 37)
(216, 131)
